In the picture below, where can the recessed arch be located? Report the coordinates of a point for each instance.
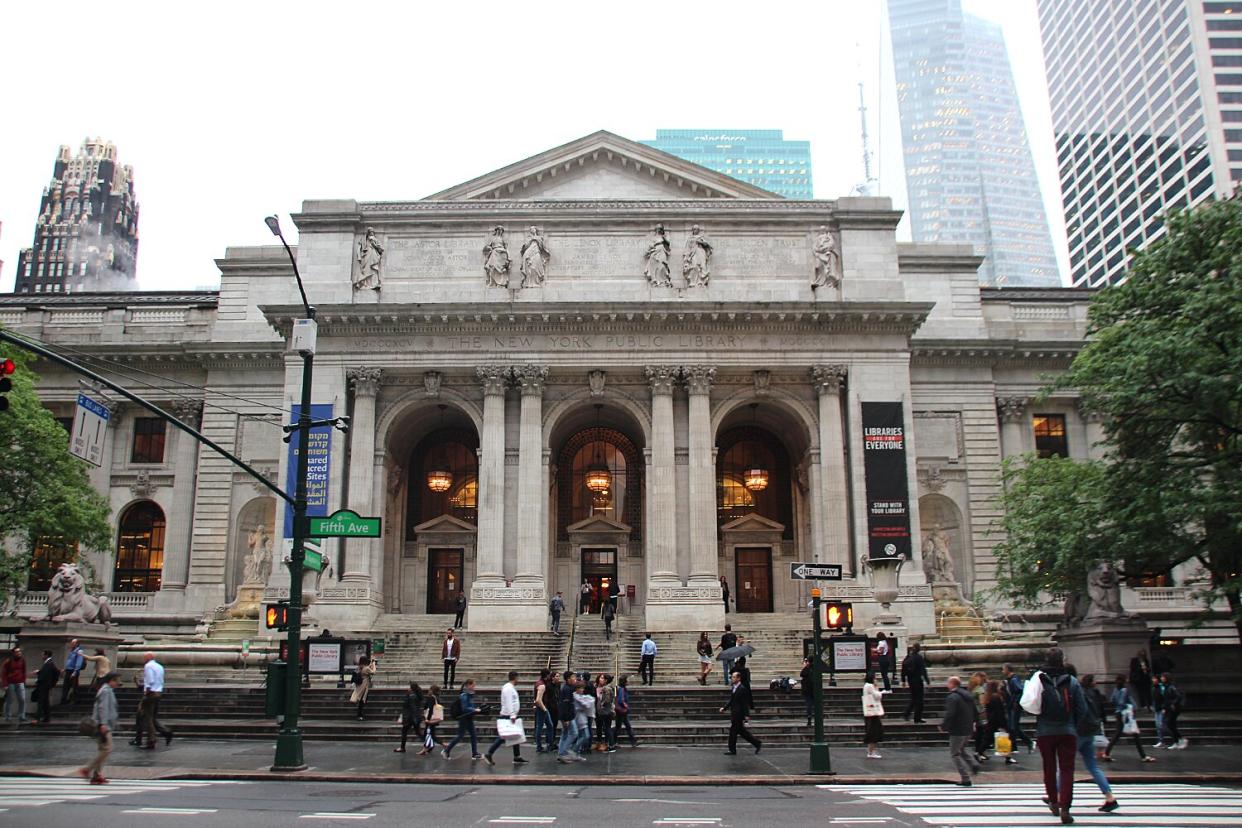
(938, 510)
(140, 548)
(402, 423)
(576, 411)
(778, 411)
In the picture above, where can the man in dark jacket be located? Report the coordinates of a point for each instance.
(739, 706)
(914, 676)
(960, 719)
(411, 714)
(1062, 706)
(48, 675)
(565, 715)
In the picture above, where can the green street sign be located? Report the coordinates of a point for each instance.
(312, 559)
(344, 523)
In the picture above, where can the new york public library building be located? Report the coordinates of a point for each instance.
(600, 363)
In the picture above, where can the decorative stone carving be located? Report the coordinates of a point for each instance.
(496, 260)
(431, 383)
(596, 380)
(535, 258)
(531, 378)
(493, 377)
(827, 260)
(696, 261)
(661, 378)
(189, 412)
(370, 257)
(68, 600)
(829, 379)
(259, 559)
(763, 382)
(1012, 409)
(1089, 415)
(143, 485)
(937, 562)
(932, 478)
(699, 378)
(684, 595)
(365, 381)
(1104, 593)
(656, 258)
(269, 473)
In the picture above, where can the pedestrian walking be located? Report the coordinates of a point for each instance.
(646, 664)
(1060, 707)
(556, 606)
(1157, 705)
(566, 713)
(622, 710)
(411, 714)
(363, 677)
(704, 648)
(464, 710)
(806, 685)
(584, 601)
(742, 663)
(433, 715)
(74, 662)
(510, 707)
(543, 720)
(724, 593)
(45, 682)
(727, 642)
(584, 712)
(1089, 728)
(149, 707)
(884, 659)
(914, 675)
(450, 653)
(1171, 702)
(873, 716)
(103, 666)
(605, 712)
(609, 614)
(1126, 712)
(1014, 684)
(960, 720)
(978, 686)
(13, 682)
(459, 619)
(739, 706)
(106, 717)
(614, 593)
(1140, 679)
(996, 718)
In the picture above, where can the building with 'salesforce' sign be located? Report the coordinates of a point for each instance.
(602, 364)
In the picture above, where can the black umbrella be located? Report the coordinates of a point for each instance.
(734, 653)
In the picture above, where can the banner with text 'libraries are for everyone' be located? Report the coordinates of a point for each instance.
(888, 493)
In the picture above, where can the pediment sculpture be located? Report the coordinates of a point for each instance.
(370, 257)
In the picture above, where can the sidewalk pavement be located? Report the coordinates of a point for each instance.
(376, 762)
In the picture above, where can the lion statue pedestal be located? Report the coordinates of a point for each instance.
(1098, 636)
(72, 613)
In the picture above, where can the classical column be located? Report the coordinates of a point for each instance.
(662, 488)
(181, 523)
(532, 497)
(490, 542)
(833, 495)
(1013, 418)
(704, 570)
(358, 552)
(1093, 431)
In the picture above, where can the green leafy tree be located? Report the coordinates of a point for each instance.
(46, 492)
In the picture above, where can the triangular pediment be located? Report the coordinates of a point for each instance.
(598, 524)
(602, 166)
(446, 523)
(753, 523)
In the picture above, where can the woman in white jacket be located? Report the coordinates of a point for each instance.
(873, 715)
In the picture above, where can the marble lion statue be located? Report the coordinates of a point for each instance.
(67, 599)
(1104, 592)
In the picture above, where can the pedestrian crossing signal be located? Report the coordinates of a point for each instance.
(7, 367)
(838, 615)
(277, 616)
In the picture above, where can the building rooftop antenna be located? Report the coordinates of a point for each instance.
(867, 187)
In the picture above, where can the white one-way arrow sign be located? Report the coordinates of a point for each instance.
(815, 572)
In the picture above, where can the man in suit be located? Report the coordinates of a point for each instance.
(914, 675)
(48, 675)
(450, 652)
(739, 706)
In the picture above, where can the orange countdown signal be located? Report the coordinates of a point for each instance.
(277, 616)
(838, 615)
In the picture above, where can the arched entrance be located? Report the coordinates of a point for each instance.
(140, 549)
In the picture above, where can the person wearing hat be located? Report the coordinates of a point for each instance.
(106, 716)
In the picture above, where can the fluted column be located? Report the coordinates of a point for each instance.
(1012, 412)
(181, 523)
(704, 570)
(490, 542)
(662, 488)
(833, 494)
(532, 498)
(359, 552)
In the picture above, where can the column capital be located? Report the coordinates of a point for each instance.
(1011, 409)
(829, 379)
(189, 412)
(699, 378)
(531, 378)
(1089, 415)
(661, 378)
(365, 381)
(494, 379)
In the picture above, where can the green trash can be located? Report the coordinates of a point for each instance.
(276, 684)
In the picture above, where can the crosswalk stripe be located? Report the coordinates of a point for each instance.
(34, 792)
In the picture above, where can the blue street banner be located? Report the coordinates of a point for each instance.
(318, 465)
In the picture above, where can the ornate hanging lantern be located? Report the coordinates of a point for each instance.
(755, 478)
(598, 475)
(439, 477)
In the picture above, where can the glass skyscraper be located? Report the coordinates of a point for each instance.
(970, 175)
(1147, 109)
(757, 156)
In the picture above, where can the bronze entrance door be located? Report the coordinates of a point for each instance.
(599, 568)
(444, 580)
(754, 580)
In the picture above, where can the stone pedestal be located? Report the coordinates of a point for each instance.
(509, 609)
(1103, 647)
(38, 636)
(248, 603)
(947, 595)
(681, 608)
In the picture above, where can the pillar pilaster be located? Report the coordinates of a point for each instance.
(360, 553)
(181, 522)
(704, 569)
(833, 492)
(1012, 412)
(490, 542)
(662, 486)
(532, 499)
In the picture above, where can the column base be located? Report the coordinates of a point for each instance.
(678, 608)
(518, 608)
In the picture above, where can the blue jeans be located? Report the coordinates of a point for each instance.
(1159, 726)
(1086, 749)
(583, 743)
(543, 722)
(1015, 727)
(569, 735)
(728, 671)
(465, 725)
(15, 702)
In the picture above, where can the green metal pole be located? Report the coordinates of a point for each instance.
(289, 739)
(821, 761)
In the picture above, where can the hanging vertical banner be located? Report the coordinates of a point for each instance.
(318, 463)
(888, 494)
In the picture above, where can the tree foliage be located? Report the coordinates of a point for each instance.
(45, 490)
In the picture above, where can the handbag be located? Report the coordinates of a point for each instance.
(511, 730)
(1129, 724)
(1003, 744)
(1032, 700)
(88, 727)
(437, 714)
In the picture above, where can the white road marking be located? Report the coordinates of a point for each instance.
(172, 811)
(686, 821)
(521, 820)
(36, 791)
(667, 801)
(331, 815)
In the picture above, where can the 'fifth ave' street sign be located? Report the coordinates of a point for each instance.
(815, 572)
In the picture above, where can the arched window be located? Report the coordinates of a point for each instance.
(444, 478)
(742, 452)
(593, 448)
(49, 553)
(140, 549)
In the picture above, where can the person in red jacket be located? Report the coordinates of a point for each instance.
(13, 685)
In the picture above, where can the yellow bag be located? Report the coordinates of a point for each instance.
(1004, 745)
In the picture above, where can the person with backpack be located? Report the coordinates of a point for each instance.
(433, 714)
(1056, 699)
(464, 711)
(1013, 686)
(1088, 729)
(623, 712)
(565, 713)
(1171, 701)
(960, 720)
(411, 715)
(996, 718)
(556, 606)
(362, 678)
(1125, 711)
(609, 613)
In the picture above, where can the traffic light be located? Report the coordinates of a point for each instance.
(277, 616)
(838, 615)
(7, 367)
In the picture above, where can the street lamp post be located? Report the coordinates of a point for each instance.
(821, 760)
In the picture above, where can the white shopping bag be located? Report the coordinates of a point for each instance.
(511, 730)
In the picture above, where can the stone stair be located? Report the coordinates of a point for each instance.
(413, 654)
(591, 652)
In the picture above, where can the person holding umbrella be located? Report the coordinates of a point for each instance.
(737, 656)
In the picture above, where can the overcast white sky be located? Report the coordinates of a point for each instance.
(230, 111)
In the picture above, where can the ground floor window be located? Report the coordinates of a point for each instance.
(140, 549)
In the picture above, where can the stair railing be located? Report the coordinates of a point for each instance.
(569, 652)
